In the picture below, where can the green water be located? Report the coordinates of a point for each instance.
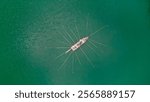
(31, 31)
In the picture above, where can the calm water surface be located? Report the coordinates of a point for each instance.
(34, 33)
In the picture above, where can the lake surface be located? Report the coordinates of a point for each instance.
(34, 36)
